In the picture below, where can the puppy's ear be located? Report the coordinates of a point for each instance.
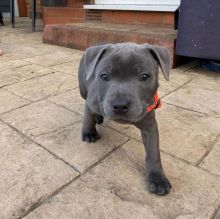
(162, 56)
(92, 56)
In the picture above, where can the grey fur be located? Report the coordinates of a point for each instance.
(124, 64)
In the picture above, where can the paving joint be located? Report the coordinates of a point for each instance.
(209, 150)
(176, 89)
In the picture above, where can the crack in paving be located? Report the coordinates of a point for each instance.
(215, 214)
(208, 151)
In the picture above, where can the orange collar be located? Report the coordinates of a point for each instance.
(155, 105)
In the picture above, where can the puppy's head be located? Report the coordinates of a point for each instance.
(124, 77)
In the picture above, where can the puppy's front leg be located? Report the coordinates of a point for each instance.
(89, 133)
(156, 179)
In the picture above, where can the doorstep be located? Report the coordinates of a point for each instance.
(85, 34)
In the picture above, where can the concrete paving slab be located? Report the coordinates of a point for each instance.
(10, 101)
(211, 162)
(67, 144)
(116, 189)
(28, 174)
(185, 134)
(39, 118)
(201, 94)
(43, 87)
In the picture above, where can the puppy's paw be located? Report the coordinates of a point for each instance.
(158, 183)
(90, 136)
(99, 119)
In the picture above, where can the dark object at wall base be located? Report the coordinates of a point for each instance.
(1, 19)
(211, 65)
(199, 29)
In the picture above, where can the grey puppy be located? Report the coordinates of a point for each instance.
(119, 81)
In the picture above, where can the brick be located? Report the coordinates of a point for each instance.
(55, 20)
(93, 36)
(168, 18)
(143, 38)
(124, 16)
(120, 37)
(150, 17)
(105, 36)
(75, 3)
(62, 15)
(107, 16)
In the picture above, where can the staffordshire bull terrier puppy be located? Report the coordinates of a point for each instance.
(119, 82)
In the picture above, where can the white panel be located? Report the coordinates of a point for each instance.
(138, 2)
(129, 7)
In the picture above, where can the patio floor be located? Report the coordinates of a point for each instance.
(47, 172)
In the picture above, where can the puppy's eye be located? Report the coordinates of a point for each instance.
(104, 77)
(144, 77)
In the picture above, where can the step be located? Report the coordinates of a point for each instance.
(85, 34)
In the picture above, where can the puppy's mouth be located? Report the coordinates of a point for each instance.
(127, 117)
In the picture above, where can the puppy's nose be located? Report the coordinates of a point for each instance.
(120, 105)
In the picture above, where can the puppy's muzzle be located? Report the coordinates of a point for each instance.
(120, 106)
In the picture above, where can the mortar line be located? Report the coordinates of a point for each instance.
(78, 59)
(209, 150)
(195, 111)
(215, 213)
(11, 110)
(19, 96)
(176, 89)
(49, 66)
(60, 105)
(6, 85)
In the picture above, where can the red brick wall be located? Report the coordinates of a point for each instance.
(74, 12)
(138, 17)
(75, 3)
(38, 8)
